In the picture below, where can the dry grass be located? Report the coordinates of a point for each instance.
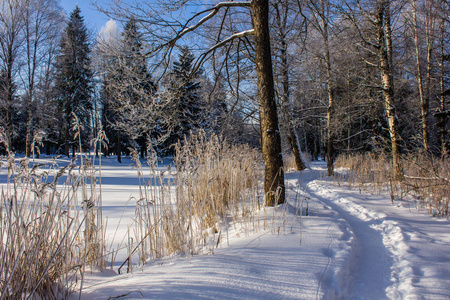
(426, 178)
(49, 231)
(50, 227)
(213, 184)
(51, 221)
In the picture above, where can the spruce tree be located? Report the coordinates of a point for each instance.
(137, 83)
(186, 104)
(74, 80)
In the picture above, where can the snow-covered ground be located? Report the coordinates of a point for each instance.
(351, 245)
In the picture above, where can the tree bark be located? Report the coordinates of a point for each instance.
(274, 188)
(330, 108)
(384, 39)
(442, 106)
(293, 141)
(422, 97)
(286, 110)
(119, 147)
(285, 105)
(67, 131)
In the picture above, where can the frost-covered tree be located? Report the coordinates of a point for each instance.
(128, 96)
(138, 87)
(11, 42)
(106, 53)
(42, 23)
(185, 105)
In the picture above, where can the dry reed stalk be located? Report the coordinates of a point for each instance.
(40, 230)
(186, 213)
(44, 247)
(426, 180)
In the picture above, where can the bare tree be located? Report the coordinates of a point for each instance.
(318, 16)
(43, 21)
(424, 26)
(384, 49)
(12, 14)
(443, 112)
(378, 42)
(285, 23)
(172, 32)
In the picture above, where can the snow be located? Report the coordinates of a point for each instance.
(351, 245)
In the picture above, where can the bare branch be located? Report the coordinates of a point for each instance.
(212, 12)
(204, 55)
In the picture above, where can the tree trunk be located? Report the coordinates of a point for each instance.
(422, 97)
(66, 138)
(9, 109)
(442, 108)
(384, 37)
(330, 108)
(293, 141)
(119, 148)
(426, 100)
(274, 188)
(143, 147)
(286, 110)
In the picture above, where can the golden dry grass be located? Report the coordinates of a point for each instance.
(426, 178)
(213, 184)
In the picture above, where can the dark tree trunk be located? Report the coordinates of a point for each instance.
(66, 140)
(143, 147)
(282, 13)
(293, 141)
(270, 134)
(119, 148)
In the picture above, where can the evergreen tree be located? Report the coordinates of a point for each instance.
(128, 90)
(74, 80)
(186, 105)
(135, 61)
(138, 87)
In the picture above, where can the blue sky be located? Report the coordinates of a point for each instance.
(94, 20)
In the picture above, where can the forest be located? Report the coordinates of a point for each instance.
(233, 88)
(349, 76)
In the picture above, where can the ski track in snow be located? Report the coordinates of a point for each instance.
(379, 244)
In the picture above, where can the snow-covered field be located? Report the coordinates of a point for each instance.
(351, 245)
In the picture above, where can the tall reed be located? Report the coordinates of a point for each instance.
(426, 178)
(189, 207)
(47, 227)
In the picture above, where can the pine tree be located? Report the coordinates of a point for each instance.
(186, 104)
(128, 92)
(74, 79)
(139, 87)
(135, 61)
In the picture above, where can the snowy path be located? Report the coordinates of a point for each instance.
(400, 253)
(371, 261)
(418, 243)
(351, 246)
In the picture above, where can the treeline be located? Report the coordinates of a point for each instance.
(350, 76)
(62, 87)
